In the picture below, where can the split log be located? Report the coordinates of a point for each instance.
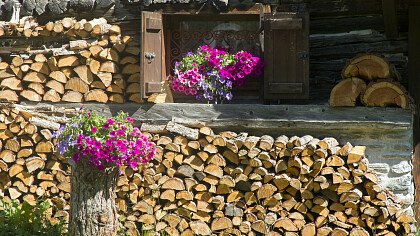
(41, 67)
(77, 85)
(35, 77)
(37, 87)
(72, 96)
(106, 78)
(347, 92)
(58, 76)
(57, 86)
(52, 96)
(96, 95)
(9, 95)
(66, 61)
(12, 83)
(84, 73)
(109, 66)
(31, 95)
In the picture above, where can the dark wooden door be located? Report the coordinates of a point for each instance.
(286, 52)
(152, 53)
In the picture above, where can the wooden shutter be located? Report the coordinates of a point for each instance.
(286, 46)
(152, 53)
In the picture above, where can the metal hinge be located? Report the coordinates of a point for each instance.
(303, 55)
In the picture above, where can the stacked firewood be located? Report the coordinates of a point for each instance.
(202, 183)
(369, 80)
(95, 66)
(28, 27)
(29, 169)
(228, 183)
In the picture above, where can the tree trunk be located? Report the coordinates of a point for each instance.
(93, 210)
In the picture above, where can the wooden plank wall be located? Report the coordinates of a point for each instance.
(331, 47)
(330, 44)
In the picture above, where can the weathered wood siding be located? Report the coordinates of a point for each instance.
(331, 44)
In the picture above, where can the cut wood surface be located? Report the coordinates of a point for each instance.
(384, 94)
(367, 67)
(371, 80)
(347, 92)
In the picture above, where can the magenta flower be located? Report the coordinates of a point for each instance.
(120, 133)
(93, 130)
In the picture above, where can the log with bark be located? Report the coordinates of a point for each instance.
(368, 67)
(385, 93)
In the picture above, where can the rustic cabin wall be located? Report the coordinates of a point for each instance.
(342, 29)
(339, 31)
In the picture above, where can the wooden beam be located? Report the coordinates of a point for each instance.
(389, 13)
(414, 88)
(414, 62)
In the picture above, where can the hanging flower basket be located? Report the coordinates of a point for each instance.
(96, 148)
(210, 73)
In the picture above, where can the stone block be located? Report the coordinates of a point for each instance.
(402, 168)
(380, 168)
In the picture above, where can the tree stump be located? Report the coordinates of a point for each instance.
(93, 210)
(346, 93)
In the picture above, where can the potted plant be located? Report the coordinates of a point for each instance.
(96, 147)
(211, 73)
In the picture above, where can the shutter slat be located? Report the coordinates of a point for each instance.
(286, 24)
(286, 88)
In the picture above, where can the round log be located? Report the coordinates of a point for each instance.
(384, 94)
(368, 67)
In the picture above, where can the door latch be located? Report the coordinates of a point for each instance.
(150, 56)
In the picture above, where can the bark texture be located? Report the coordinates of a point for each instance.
(93, 210)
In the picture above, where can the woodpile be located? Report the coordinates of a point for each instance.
(29, 169)
(96, 65)
(202, 183)
(369, 80)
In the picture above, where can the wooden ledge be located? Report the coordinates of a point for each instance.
(237, 117)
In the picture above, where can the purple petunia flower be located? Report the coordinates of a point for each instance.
(229, 83)
(229, 96)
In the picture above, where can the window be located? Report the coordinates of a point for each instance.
(168, 36)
